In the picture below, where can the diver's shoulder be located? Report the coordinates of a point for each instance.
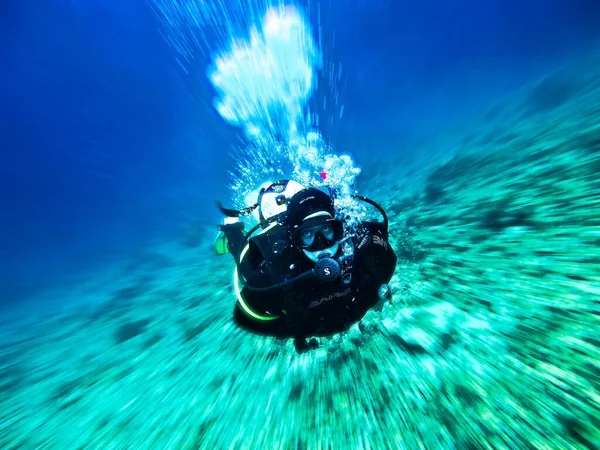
(374, 226)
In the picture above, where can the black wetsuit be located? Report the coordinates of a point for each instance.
(309, 307)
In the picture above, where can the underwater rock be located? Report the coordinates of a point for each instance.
(416, 340)
(194, 234)
(131, 329)
(552, 91)
(424, 330)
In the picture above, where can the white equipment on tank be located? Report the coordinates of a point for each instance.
(274, 197)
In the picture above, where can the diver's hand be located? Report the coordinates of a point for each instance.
(384, 292)
(231, 223)
(302, 345)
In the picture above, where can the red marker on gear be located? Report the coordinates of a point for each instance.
(323, 174)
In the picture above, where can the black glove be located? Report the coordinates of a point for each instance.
(235, 237)
(302, 345)
(231, 227)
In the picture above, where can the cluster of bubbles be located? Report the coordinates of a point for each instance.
(264, 83)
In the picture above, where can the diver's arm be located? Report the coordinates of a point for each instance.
(250, 269)
(235, 237)
(255, 300)
(374, 261)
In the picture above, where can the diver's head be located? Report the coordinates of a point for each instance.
(314, 229)
(321, 239)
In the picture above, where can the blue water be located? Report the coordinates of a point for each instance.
(109, 138)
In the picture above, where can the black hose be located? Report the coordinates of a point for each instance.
(303, 276)
(235, 212)
(379, 208)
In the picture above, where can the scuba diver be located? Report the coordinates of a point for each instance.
(307, 272)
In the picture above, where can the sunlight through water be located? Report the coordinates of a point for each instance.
(264, 84)
(265, 69)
